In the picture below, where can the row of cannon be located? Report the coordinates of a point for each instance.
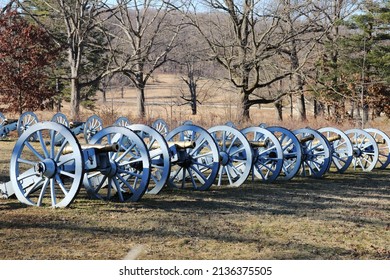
(27, 119)
(124, 161)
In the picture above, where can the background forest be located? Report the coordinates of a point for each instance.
(330, 58)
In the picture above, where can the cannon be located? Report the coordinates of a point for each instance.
(43, 173)
(89, 128)
(383, 142)
(365, 149)
(292, 151)
(235, 155)
(316, 152)
(125, 175)
(267, 153)
(194, 158)
(340, 147)
(25, 120)
(160, 156)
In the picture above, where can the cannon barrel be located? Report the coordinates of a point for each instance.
(307, 138)
(382, 141)
(334, 138)
(254, 144)
(10, 121)
(178, 144)
(75, 124)
(330, 139)
(98, 147)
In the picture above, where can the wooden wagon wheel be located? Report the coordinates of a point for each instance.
(122, 121)
(235, 155)
(93, 125)
(292, 152)
(26, 120)
(41, 173)
(383, 142)
(195, 165)
(316, 152)
(267, 153)
(127, 175)
(365, 149)
(341, 148)
(159, 156)
(161, 126)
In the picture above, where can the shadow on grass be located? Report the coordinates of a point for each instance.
(361, 198)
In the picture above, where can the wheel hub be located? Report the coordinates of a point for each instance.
(111, 170)
(47, 168)
(357, 153)
(224, 158)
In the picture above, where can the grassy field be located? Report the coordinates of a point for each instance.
(337, 217)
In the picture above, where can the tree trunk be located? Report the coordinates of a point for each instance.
(365, 113)
(352, 109)
(104, 95)
(193, 99)
(74, 99)
(301, 106)
(141, 102)
(244, 106)
(279, 109)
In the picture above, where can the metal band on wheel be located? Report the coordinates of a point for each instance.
(292, 152)
(159, 156)
(235, 155)
(316, 151)
(267, 153)
(196, 165)
(341, 148)
(41, 173)
(127, 174)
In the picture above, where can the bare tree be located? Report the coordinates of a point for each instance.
(145, 33)
(247, 38)
(76, 26)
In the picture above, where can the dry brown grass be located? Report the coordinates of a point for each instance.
(220, 106)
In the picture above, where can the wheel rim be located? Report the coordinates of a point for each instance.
(383, 142)
(129, 176)
(26, 120)
(92, 126)
(267, 159)
(316, 153)
(2, 119)
(230, 123)
(159, 156)
(196, 167)
(122, 121)
(161, 126)
(292, 152)
(60, 118)
(235, 153)
(365, 149)
(41, 174)
(341, 149)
